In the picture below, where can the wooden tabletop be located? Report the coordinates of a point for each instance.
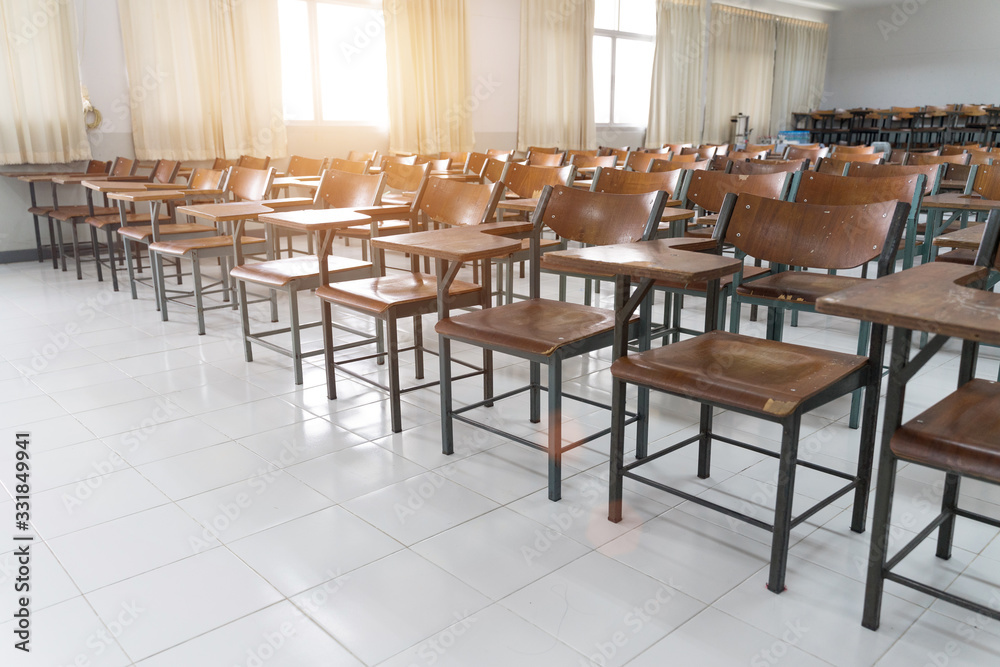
(455, 244)
(968, 238)
(49, 177)
(528, 204)
(385, 211)
(930, 297)
(113, 186)
(146, 195)
(287, 203)
(316, 219)
(959, 202)
(311, 182)
(225, 212)
(662, 259)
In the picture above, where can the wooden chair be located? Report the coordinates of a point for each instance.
(706, 191)
(932, 173)
(641, 161)
(349, 166)
(500, 154)
(585, 153)
(746, 155)
(413, 294)
(291, 275)
(202, 183)
(539, 159)
(408, 160)
(676, 148)
(163, 173)
(459, 159)
(592, 162)
(810, 154)
(403, 183)
(833, 166)
(655, 151)
(720, 149)
(122, 169)
(493, 171)
(251, 162)
(95, 167)
(983, 157)
(620, 153)
(475, 165)
(222, 163)
(544, 331)
(840, 150)
(957, 435)
(757, 148)
(921, 158)
(362, 156)
(543, 149)
(957, 149)
(299, 166)
(770, 380)
(246, 185)
(749, 167)
(686, 158)
(669, 165)
(897, 156)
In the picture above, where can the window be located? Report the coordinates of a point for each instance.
(333, 62)
(624, 33)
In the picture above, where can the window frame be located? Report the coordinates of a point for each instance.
(314, 57)
(615, 35)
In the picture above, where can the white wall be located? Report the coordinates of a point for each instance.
(914, 53)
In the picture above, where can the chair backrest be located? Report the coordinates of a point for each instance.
(222, 163)
(656, 151)
(408, 160)
(592, 161)
(853, 150)
(640, 161)
(599, 218)
(207, 179)
(571, 153)
(164, 171)
(248, 184)
(252, 162)
(457, 158)
(436, 164)
(829, 190)
(932, 173)
(362, 156)
(708, 189)
(620, 153)
(351, 166)
(693, 150)
(707, 151)
(97, 167)
(987, 182)
(499, 154)
(543, 149)
(304, 166)
(720, 149)
(756, 148)
(766, 166)
(897, 156)
(832, 165)
(924, 158)
(811, 154)
(539, 159)
(688, 157)
(622, 182)
(870, 158)
(982, 157)
(493, 170)
(343, 189)
(759, 154)
(453, 202)
(527, 181)
(476, 163)
(670, 165)
(814, 235)
(123, 167)
(404, 177)
(676, 148)
(957, 149)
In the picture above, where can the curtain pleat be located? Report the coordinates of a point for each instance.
(676, 95)
(40, 101)
(799, 69)
(556, 89)
(430, 105)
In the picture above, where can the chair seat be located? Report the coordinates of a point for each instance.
(377, 295)
(184, 246)
(64, 213)
(960, 256)
(960, 433)
(798, 286)
(535, 326)
(766, 377)
(749, 272)
(384, 229)
(101, 221)
(280, 272)
(40, 210)
(144, 233)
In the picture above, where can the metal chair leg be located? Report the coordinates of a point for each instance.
(555, 429)
(783, 506)
(447, 422)
(418, 346)
(111, 258)
(198, 297)
(395, 407)
(293, 308)
(97, 253)
(131, 270)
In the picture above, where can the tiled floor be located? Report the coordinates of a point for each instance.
(195, 509)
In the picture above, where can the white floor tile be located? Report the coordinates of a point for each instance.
(298, 442)
(354, 471)
(204, 469)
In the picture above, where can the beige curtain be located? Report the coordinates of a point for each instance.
(204, 78)
(556, 97)
(799, 70)
(740, 70)
(675, 102)
(41, 109)
(430, 105)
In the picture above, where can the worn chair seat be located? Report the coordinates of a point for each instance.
(960, 433)
(40, 210)
(65, 213)
(384, 229)
(182, 247)
(749, 273)
(959, 256)
(376, 295)
(535, 326)
(102, 221)
(281, 272)
(798, 286)
(144, 233)
(765, 377)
